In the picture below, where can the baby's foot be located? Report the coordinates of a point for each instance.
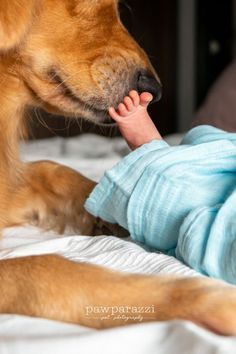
(134, 121)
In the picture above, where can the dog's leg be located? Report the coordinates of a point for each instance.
(45, 194)
(52, 196)
(55, 288)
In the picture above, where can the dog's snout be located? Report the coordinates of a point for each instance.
(148, 83)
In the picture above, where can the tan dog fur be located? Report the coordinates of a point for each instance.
(74, 57)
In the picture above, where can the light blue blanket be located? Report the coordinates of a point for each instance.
(180, 200)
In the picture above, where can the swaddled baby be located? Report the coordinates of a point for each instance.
(180, 200)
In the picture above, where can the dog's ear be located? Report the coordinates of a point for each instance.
(15, 20)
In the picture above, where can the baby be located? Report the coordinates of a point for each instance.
(180, 200)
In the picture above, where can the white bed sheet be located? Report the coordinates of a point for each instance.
(91, 155)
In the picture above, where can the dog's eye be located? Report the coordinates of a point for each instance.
(126, 15)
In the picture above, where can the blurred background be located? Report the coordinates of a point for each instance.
(189, 43)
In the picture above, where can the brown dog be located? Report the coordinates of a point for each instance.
(74, 57)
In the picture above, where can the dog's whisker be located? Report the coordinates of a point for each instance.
(42, 121)
(63, 82)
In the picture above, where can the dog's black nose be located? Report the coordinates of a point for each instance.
(148, 83)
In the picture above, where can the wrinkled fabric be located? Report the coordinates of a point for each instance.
(180, 200)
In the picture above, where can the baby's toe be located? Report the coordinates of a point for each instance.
(129, 103)
(123, 110)
(113, 114)
(135, 97)
(145, 99)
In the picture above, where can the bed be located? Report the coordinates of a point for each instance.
(21, 334)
